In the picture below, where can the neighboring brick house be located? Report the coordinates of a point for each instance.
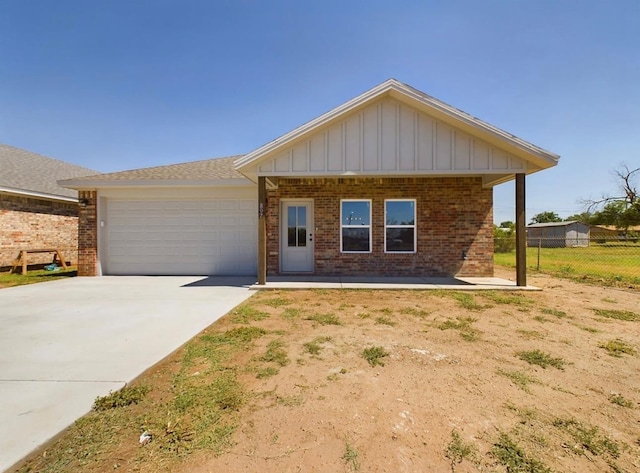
(35, 212)
(393, 182)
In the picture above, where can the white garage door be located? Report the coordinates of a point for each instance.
(180, 237)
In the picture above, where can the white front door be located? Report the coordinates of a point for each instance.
(296, 236)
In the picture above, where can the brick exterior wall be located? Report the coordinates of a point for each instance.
(30, 223)
(88, 234)
(454, 216)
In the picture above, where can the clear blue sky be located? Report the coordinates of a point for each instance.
(124, 84)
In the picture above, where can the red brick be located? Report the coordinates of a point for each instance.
(454, 215)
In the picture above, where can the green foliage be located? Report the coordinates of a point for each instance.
(314, 347)
(276, 353)
(520, 379)
(557, 313)
(583, 217)
(245, 334)
(350, 457)
(601, 264)
(466, 301)
(247, 313)
(510, 455)
(588, 438)
(618, 213)
(625, 315)
(537, 357)
(618, 348)
(124, 397)
(507, 298)
(463, 324)
(546, 217)
(292, 313)
(504, 240)
(227, 392)
(325, 319)
(266, 372)
(374, 354)
(276, 302)
(459, 450)
(385, 321)
(621, 401)
(33, 277)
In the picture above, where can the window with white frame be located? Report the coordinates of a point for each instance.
(355, 226)
(400, 226)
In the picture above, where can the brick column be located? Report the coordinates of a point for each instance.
(88, 234)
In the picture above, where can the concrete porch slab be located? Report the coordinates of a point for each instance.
(391, 283)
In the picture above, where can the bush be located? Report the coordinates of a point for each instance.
(504, 240)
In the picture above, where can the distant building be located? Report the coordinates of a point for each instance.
(604, 233)
(558, 234)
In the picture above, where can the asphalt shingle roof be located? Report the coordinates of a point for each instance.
(208, 169)
(22, 170)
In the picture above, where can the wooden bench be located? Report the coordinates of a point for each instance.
(22, 262)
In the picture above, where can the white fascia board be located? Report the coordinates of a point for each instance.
(38, 195)
(79, 184)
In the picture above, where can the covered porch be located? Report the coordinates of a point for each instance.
(392, 283)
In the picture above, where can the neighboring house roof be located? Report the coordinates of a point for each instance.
(613, 228)
(552, 224)
(536, 156)
(205, 172)
(27, 173)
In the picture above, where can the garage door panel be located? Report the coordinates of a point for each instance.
(204, 237)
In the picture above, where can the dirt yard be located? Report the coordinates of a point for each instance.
(386, 381)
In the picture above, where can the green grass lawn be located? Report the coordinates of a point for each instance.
(33, 277)
(602, 262)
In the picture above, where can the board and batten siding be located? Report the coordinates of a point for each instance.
(391, 138)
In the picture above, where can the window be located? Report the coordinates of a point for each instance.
(400, 226)
(355, 226)
(297, 225)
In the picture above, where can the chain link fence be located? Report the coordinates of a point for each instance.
(605, 259)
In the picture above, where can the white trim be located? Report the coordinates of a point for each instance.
(39, 195)
(370, 226)
(283, 236)
(414, 226)
(105, 183)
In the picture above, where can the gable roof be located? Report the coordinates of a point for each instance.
(205, 172)
(536, 157)
(27, 173)
(553, 224)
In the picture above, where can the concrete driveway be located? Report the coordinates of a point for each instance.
(65, 342)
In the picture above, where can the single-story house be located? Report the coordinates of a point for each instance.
(558, 234)
(393, 182)
(605, 233)
(35, 212)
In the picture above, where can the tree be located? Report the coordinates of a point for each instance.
(584, 217)
(623, 208)
(504, 238)
(546, 217)
(508, 224)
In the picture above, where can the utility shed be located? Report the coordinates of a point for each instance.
(558, 234)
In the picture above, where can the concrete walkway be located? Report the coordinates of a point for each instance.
(65, 342)
(399, 283)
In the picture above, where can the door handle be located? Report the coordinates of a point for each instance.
(310, 236)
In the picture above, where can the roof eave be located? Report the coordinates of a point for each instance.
(38, 195)
(80, 184)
